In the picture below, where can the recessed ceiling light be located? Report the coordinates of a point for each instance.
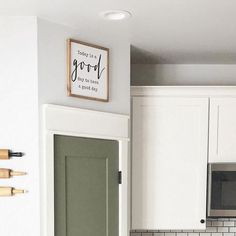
(116, 15)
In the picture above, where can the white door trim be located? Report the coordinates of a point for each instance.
(82, 123)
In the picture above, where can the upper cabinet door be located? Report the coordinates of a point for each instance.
(169, 162)
(222, 136)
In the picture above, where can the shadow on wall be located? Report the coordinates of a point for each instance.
(142, 56)
(148, 69)
(185, 75)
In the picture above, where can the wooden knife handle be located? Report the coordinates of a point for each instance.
(4, 154)
(4, 173)
(7, 173)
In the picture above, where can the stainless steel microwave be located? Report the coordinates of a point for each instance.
(221, 190)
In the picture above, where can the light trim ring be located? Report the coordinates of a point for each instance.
(116, 15)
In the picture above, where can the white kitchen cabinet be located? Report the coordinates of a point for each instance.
(222, 132)
(169, 162)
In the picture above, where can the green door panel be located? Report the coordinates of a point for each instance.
(86, 186)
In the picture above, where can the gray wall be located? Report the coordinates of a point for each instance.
(52, 64)
(183, 74)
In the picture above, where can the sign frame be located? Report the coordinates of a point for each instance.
(70, 60)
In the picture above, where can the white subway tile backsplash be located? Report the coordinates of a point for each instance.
(214, 227)
(211, 229)
(209, 223)
(193, 234)
(232, 229)
(229, 223)
(223, 229)
(135, 234)
(228, 234)
(169, 234)
(200, 231)
(158, 234)
(182, 234)
(217, 234)
(147, 234)
(217, 223)
(205, 234)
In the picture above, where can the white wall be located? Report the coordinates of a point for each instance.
(52, 64)
(183, 74)
(33, 72)
(19, 215)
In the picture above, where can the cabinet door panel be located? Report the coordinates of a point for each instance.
(222, 139)
(169, 162)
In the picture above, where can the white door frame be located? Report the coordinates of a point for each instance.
(82, 123)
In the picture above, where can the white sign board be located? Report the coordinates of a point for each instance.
(88, 71)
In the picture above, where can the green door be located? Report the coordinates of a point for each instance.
(86, 186)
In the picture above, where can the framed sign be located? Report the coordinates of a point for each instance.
(88, 70)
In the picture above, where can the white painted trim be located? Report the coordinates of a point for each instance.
(82, 123)
(86, 122)
(191, 91)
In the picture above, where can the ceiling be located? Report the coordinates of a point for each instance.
(161, 31)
